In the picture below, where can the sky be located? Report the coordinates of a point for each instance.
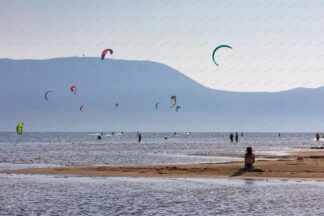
(277, 44)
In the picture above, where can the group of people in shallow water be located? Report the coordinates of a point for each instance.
(249, 158)
(139, 136)
(231, 136)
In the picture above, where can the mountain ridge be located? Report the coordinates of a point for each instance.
(137, 85)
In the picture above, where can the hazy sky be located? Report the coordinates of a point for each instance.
(277, 45)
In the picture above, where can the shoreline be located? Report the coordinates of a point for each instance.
(292, 155)
(308, 165)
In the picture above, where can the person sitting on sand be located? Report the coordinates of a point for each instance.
(249, 158)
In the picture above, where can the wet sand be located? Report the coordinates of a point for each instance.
(300, 165)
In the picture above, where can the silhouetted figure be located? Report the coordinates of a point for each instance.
(279, 134)
(174, 134)
(241, 134)
(249, 158)
(99, 137)
(317, 137)
(165, 138)
(139, 135)
(236, 137)
(231, 136)
(113, 133)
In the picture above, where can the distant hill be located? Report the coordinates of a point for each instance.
(137, 86)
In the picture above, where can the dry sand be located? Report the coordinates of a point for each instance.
(301, 165)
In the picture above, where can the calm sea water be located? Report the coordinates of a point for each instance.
(56, 195)
(64, 149)
(68, 195)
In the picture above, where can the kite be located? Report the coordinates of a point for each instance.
(46, 95)
(173, 101)
(73, 89)
(213, 55)
(156, 105)
(19, 128)
(103, 54)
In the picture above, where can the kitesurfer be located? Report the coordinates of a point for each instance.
(236, 137)
(317, 137)
(249, 158)
(231, 136)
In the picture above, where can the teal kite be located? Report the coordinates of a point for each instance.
(221, 46)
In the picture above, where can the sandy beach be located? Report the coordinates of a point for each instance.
(299, 165)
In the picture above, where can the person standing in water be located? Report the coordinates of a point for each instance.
(236, 137)
(317, 136)
(139, 135)
(231, 136)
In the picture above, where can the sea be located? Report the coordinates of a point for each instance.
(73, 195)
